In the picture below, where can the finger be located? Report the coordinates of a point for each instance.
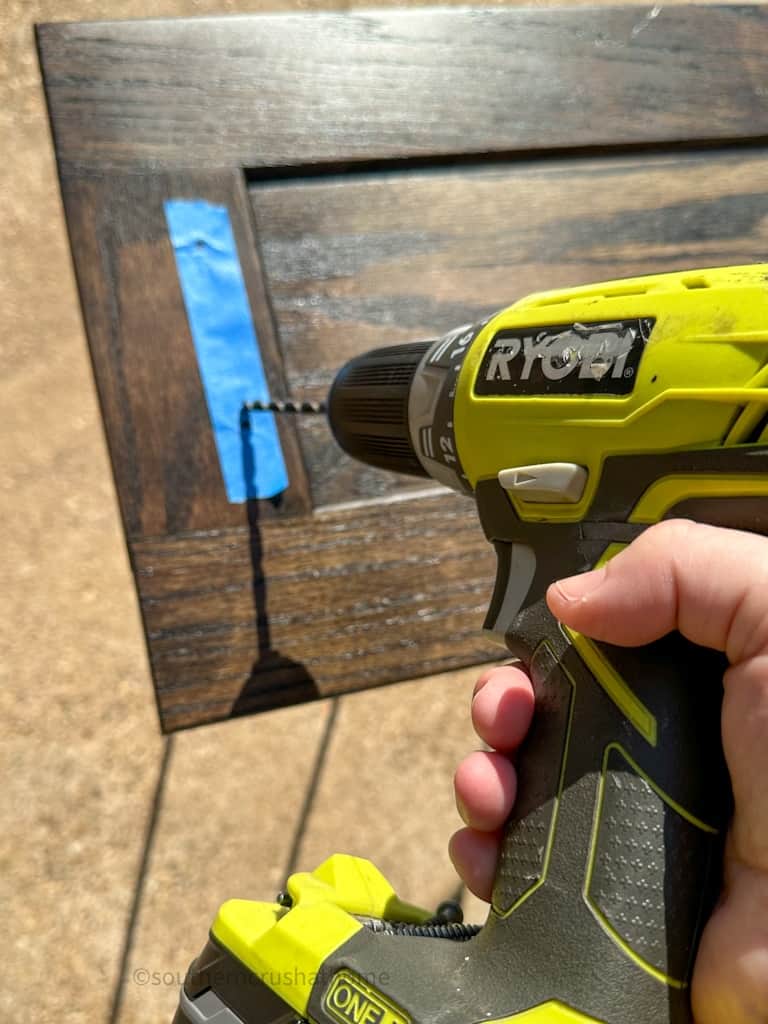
(707, 582)
(485, 785)
(484, 676)
(502, 708)
(474, 855)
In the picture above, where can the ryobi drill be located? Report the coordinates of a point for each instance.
(575, 419)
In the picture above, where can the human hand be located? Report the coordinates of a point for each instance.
(712, 585)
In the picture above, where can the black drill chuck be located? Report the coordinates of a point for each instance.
(368, 407)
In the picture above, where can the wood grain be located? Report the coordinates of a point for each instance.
(161, 443)
(327, 605)
(292, 90)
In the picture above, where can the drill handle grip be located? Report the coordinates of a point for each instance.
(610, 863)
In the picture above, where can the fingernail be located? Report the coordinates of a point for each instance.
(486, 677)
(576, 588)
(461, 808)
(478, 687)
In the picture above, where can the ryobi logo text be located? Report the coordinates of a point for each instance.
(564, 359)
(350, 1000)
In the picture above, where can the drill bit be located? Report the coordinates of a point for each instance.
(286, 406)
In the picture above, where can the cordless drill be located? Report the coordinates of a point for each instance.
(575, 419)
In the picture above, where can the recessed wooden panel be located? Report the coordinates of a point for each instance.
(388, 175)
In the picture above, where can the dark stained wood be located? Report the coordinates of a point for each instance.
(294, 90)
(408, 171)
(163, 453)
(352, 600)
(372, 259)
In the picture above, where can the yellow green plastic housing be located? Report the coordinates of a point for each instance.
(700, 382)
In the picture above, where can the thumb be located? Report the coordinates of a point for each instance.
(709, 583)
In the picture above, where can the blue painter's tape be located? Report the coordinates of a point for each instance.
(232, 372)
